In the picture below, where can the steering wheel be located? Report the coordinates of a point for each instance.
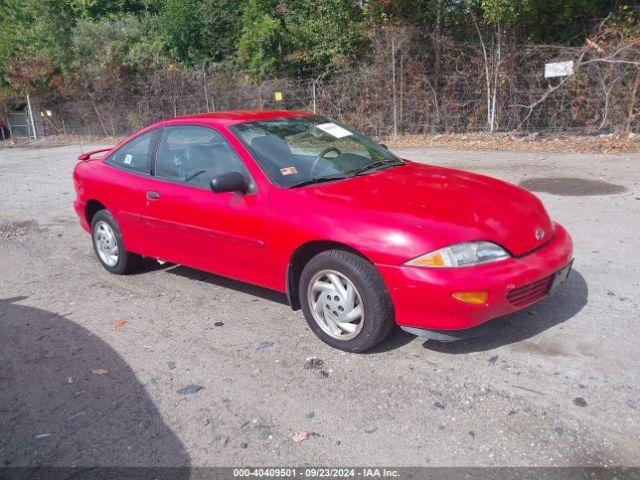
(314, 166)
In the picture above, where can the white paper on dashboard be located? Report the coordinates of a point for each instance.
(334, 130)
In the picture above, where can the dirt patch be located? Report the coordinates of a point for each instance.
(571, 187)
(533, 143)
(18, 229)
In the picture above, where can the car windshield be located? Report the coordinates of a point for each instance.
(297, 151)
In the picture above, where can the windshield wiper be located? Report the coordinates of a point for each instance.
(349, 173)
(313, 180)
(373, 166)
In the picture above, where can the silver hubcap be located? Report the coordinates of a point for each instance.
(106, 243)
(336, 305)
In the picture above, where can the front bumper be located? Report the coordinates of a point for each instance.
(422, 296)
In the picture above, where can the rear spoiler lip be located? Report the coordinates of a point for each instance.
(83, 157)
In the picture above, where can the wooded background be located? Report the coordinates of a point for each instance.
(387, 67)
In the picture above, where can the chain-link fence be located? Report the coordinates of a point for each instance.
(400, 91)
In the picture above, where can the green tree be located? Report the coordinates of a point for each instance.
(300, 36)
(110, 52)
(35, 36)
(566, 22)
(262, 43)
(96, 9)
(191, 31)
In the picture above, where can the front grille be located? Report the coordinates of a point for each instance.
(532, 292)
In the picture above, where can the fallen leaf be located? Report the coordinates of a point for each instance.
(300, 436)
(119, 324)
(498, 141)
(99, 371)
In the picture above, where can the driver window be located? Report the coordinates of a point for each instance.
(194, 155)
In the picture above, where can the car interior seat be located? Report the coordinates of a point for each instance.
(272, 149)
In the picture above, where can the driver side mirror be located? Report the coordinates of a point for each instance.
(229, 182)
(384, 145)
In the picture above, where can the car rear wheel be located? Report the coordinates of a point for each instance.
(109, 247)
(345, 301)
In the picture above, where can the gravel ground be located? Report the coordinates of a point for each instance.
(174, 366)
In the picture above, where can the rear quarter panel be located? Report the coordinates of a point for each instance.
(122, 193)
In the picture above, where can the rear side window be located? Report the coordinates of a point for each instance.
(135, 155)
(194, 155)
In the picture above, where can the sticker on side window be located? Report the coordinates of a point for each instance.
(288, 171)
(127, 159)
(334, 130)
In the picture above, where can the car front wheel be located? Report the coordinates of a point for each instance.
(345, 301)
(109, 247)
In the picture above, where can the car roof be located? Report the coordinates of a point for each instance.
(239, 116)
(219, 119)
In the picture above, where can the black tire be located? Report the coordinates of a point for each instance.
(127, 262)
(379, 314)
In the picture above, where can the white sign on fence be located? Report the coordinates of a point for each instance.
(558, 69)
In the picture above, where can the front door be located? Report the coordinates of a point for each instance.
(223, 233)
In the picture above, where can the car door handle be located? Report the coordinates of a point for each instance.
(151, 195)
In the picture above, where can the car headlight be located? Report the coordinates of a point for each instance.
(461, 255)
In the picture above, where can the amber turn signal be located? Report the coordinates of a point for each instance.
(475, 298)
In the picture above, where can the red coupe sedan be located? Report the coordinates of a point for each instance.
(355, 236)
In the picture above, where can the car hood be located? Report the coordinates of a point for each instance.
(447, 206)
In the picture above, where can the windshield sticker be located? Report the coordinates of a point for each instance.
(288, 171)
(127, 159)
(334, 130)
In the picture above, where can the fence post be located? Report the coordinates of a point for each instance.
(8, 125)
(395, 99)
(95, 107)
(313, 94)
(33, 125)
(204, 81)
(313, 91)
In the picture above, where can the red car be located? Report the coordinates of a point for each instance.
(295, 202)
